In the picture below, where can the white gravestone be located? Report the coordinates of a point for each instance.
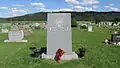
(59, 36)
(99, 24)
(15, 35)
(90, 29)
(26, 26)
(4, 29)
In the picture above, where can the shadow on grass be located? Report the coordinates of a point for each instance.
(81, 52)
(36, 52)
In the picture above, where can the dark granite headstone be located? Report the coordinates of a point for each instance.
(115, 37)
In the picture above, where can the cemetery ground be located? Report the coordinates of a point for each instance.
(98, 54)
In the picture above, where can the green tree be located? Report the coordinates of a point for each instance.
(97, 21)
(73, 23)
(115, 21)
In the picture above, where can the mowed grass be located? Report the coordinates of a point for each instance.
(98, 55)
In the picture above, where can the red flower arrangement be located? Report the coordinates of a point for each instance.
(59, 54)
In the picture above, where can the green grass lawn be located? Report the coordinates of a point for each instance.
(98, 55)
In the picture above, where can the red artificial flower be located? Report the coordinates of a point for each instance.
(59, 54)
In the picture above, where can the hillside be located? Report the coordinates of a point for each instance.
(80, 16)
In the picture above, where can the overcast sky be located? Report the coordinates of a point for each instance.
(10, 8)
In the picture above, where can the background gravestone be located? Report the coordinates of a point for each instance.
(59, 32)
(4, 29)
(15, 35)
(115, 37)
(90, 29)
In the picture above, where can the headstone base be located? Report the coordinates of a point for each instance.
(16, 41)
(70, 56)
(3, 32)
(90, 31)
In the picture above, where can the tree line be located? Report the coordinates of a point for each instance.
(78, 16)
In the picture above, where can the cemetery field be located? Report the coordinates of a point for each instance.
(98, 55)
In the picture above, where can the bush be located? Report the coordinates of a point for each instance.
(73, 23)
(82, 49)
(82, 52)
(83, 27)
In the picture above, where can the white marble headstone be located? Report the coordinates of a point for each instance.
(90, 28)
(4, 29)
(15, 35)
